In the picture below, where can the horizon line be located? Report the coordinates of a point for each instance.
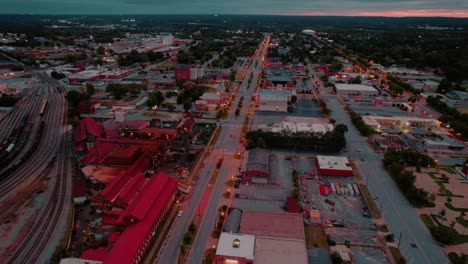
(460, 14)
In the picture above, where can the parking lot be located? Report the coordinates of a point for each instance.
(354, 236)
(304, 107)
(368, 255)
(272, 196)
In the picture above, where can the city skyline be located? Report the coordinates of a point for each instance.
(418, 8)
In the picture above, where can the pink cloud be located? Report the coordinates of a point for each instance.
(393, 13)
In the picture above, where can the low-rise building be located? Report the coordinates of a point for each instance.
(441, 144)
(279, 80)
(235, 248)
(272, 100)
(85, 76)
(355, 89)
(333, 166)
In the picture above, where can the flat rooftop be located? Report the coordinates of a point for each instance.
(85, 74)
(280, 250)
(284, 225)
(334, 163)
(273, 93)
(355, 87)
(245, 249)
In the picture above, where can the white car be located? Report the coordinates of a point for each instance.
(179, 214)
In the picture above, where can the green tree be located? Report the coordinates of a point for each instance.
(90, 90)
(156, 98)
(341, 128)
(293, 99)
(100, 51)
(74, 97)
(336, 258)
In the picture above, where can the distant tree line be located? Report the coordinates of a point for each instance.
(136, 57)
(330, 142)
(120, 90)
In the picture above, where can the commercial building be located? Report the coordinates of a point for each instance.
(441, 144)
(141, 219)
(333, 166)
(355, 89)
(390, 143)
(85, 76)
(296, 127)
(264, 238)
(405, 121)
(257, 168)
(272, 100)
(235, 248)
(284, 225)
(189, 72)
(279, 80)
(116, 74)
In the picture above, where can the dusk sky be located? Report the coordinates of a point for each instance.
(451, 8)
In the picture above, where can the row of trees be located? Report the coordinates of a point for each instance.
(119, 90)
(8, 100)
(135, 57)
(457, 120)
(398, 86)
(394, 163)
(359, 123)
(331, 142)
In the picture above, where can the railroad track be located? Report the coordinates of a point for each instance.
(39, 159)
(9, 122)
(38, 236)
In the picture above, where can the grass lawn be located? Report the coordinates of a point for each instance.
(462, 221)
(397, 256)
(315, 236)
(369, 201)
(448, 169)
(427, 220)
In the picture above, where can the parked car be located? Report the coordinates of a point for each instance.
(179, 214)
(328, 201)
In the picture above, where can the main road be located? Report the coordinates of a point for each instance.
(416, 243)
(227, 145)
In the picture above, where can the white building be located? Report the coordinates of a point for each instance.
(296, 127)
(355, 89)
(272, 100)
(406, 121)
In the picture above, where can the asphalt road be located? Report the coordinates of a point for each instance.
(417, 245)
(227, 144)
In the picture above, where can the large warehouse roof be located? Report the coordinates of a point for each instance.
(354, 87)
(286, 225)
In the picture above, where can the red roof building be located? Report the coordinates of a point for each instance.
(89, 130)
(94, 254)
(119, 192)
(333, 166)
(186, 125)
(143, 217)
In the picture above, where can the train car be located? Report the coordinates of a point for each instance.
(332, 185)
(350, 188)
(338, 189)
(356, 189)
(43, 107)
(10, 147)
